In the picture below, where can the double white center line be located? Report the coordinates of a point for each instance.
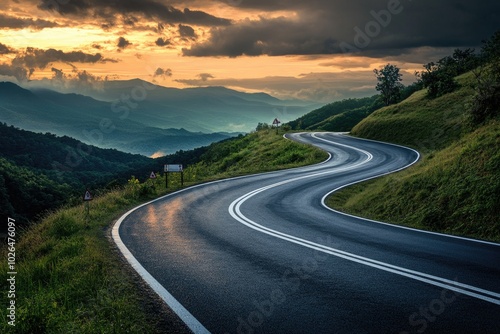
(235, 212)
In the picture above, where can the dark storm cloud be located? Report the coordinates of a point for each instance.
(21, 23)
(39, 58)
(163, 72)
(150, 9)
(123, 43)
(162, 42)
(204, 77)
(274, 37)
(58, 74)
(4, 49)
(373, 27)
(187, 31)
(18, 72)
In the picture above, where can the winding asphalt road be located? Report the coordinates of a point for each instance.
(262, 254)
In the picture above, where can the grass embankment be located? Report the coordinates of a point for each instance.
(70, 278)
(454, 189)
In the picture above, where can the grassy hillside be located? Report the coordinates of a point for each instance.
(455, 188)
(338, 116)
(70, 278)
(423, 123)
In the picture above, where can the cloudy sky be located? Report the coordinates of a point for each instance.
(321, 50)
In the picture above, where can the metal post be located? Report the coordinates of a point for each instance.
(166, 180)
(182, 179)
(87, 213)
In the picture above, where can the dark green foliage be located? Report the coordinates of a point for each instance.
(455, 188)
(389, 83)
(24, 194)
(40, 172)
(186, 158)
(439, 78)
(345, 121)
(262, 126)
(70, 278)
(407, 91)
(337, 116)
(486, 104)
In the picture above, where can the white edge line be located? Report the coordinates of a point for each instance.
(426, 278)
(234, 211)
(387, 224)
(180, 310)
(190, 321)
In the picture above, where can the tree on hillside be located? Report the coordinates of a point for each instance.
(439, 78)
(486, 103)
(389, 83)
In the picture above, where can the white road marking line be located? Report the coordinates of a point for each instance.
(323, 200)
(193, 324)
(235, 212)
(180, 310)
(166, 296)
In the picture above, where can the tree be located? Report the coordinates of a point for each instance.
(262, 126)
(486, 103)
(389, 83)
(439, 79)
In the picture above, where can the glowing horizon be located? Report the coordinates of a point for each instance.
(287, 50)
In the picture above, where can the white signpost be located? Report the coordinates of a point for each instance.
(176, 168)
(87, 197)
(173, 168)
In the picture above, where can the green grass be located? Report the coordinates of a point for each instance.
(257, 152)
(70, 278)
(424, 124)
(454, 189)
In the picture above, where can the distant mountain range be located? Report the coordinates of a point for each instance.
(138, 117)
(205, 109)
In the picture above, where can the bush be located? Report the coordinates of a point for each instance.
(439, 78)
(487, 100)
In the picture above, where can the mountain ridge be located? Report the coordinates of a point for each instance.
(140, 117)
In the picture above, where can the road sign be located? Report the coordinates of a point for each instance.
(87, 196)
(177, 168)
(152, 176)
(276, 122)
(173, 168)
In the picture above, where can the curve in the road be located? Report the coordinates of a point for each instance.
(235, 212)
(266, 186)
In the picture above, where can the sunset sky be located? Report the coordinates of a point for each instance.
(318, 50)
